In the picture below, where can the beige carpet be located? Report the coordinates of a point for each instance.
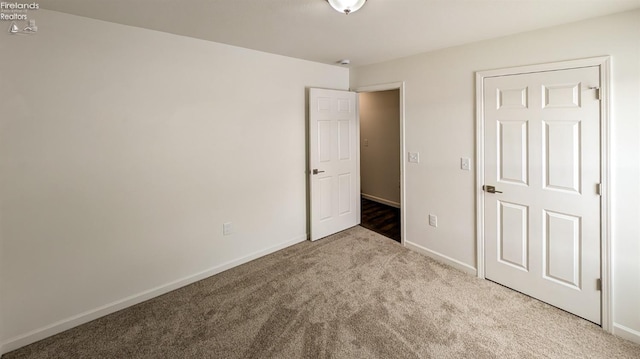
(352, 295)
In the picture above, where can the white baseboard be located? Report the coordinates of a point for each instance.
(380, 200)
(441, 258)
(626, 333)
(68, 323)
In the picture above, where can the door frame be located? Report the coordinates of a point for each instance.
(604, 65)
(400, 87)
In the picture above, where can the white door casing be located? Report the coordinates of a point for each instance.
(333, 156)
(542, 150)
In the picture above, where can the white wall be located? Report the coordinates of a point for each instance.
(123, 151)
(440, 105)
(380, 156)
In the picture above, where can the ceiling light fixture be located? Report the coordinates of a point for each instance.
(346, 6)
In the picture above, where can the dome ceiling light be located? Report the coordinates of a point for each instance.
(346, 6)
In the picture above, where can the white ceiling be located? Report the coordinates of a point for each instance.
(310, 29)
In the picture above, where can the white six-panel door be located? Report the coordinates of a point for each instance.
(542, 151)
(333, 157)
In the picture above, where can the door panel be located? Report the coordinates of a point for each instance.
(344, 194)
(561, 146)
(324, 141)
(333, 152)
(562, 242)
(513, 151)
(542, 151)
(345, 140)
(513, 235)
(324, 196)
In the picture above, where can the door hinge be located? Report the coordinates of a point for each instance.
(599, 189)
(597, 89)
(598, 284)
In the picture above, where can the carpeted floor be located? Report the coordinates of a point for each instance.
(352, 295)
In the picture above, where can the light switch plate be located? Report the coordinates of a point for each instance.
(465, 164)
(433, 220)
(414, 157)
(227, 229)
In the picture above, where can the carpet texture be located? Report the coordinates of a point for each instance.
(355, 294)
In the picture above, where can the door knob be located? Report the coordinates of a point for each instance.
(315, 171)
(490, 189)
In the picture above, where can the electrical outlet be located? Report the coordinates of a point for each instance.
(366, 142)
(433, 220)
(414, 157)
(227, 229)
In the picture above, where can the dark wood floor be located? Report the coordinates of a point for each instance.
(381, 218)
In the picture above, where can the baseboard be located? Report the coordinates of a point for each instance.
(441, 258)
(65, 324)
(380, 200)
(626, 333)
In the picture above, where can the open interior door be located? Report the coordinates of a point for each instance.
(334, 161)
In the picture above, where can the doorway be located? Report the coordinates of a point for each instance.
(380, 161)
